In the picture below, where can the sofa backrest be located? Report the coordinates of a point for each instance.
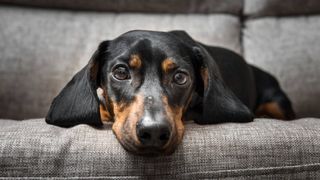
(141, 6)
(283, 37)
(41, 49)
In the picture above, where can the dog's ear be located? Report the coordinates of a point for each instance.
(219, 103)
(184, 37)
(78, 102)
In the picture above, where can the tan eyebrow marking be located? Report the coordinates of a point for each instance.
(135, 61)
(168, 65)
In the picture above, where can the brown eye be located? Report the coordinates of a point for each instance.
(180, 78)
(121, 73)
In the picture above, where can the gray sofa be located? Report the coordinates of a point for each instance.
(43, 43)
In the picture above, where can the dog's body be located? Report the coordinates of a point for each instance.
(257, 89)
(149, 82)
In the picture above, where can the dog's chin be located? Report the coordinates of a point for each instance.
(148, 151)
(152, 152)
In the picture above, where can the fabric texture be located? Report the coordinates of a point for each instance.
(41, 50)
(260, 8)
(263, 148)
(149, 6)
(288, 48)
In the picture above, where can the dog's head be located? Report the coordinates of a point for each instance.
(144, 82)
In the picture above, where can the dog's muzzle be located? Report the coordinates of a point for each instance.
(152, 133)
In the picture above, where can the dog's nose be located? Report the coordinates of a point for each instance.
(153, 134)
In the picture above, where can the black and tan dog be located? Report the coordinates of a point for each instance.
(150, 82)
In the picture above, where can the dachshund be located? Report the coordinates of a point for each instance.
(147, 83)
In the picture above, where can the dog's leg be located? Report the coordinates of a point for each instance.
(271, 100)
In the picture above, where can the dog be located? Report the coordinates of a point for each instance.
(149, 82)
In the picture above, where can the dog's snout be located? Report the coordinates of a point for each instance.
(153, 134)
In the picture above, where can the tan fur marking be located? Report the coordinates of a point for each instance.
(175, 116)
(205, 77)
(271, 110)
(168, 65)
(135, 61)
(119, 118)
(104, 114)
(132, 112)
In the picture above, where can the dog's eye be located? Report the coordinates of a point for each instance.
(121, 73)
(180, 78)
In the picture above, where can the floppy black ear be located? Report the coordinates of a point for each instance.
(78, 102)
(219, 103)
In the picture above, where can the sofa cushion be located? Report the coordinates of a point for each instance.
(259, 8)
(42, 49)
(150, 6)
(289, 48)
(265, 148)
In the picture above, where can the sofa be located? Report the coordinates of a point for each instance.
(43, 43)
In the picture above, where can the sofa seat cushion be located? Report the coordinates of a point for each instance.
(288, 48)
(264, 148)
(42, 49)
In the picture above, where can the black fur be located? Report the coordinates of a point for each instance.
(235, 89)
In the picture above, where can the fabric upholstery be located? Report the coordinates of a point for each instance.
(289, 48)
(150, 6)
(264, 148)
(260, 8)
(41, 50)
